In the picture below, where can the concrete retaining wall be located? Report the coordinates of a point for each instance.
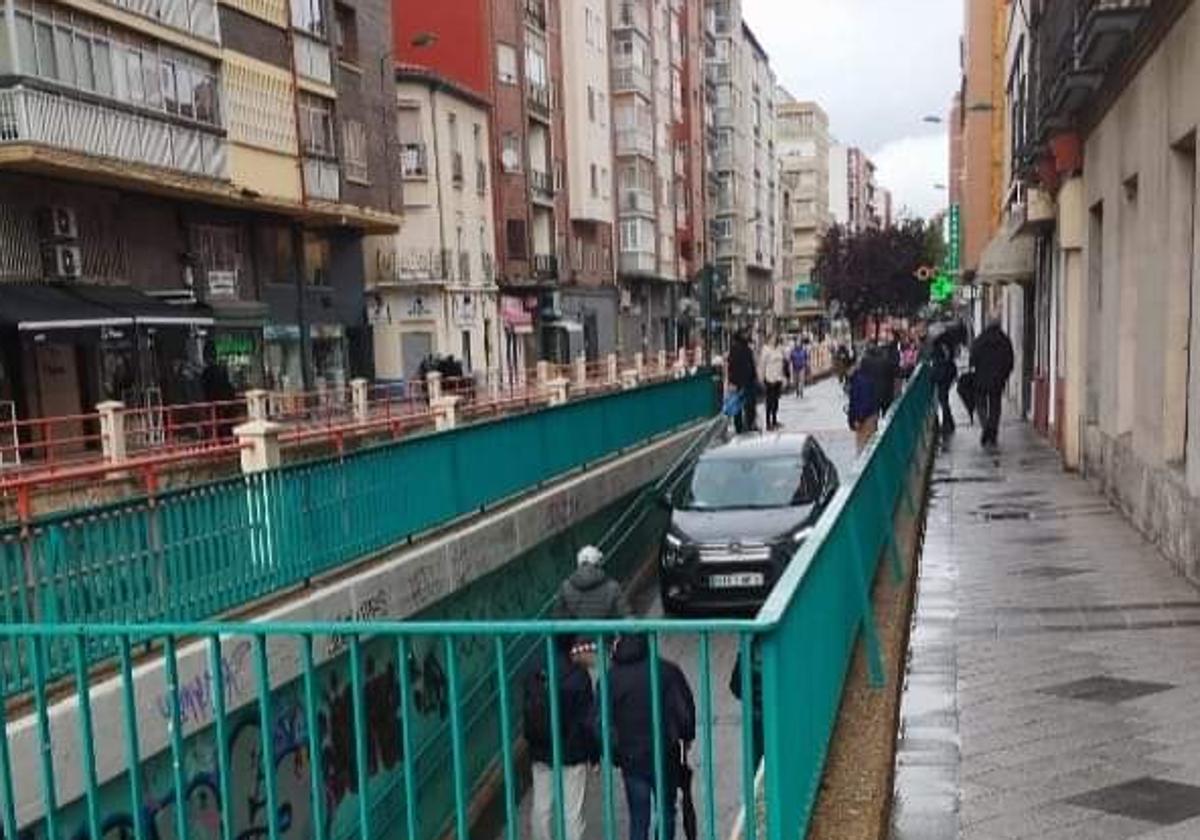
(428, 580)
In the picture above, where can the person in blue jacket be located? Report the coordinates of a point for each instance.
(863, 411)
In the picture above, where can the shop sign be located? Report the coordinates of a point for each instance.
(233, 346)
(281, 332)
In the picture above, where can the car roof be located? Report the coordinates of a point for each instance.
(755, 446)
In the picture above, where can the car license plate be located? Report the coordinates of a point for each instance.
(741, 580)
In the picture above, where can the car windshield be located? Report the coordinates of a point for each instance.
(729, 483)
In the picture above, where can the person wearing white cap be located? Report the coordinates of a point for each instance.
(589, 593)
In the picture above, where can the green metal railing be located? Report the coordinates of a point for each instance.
(333, 758)
(195, 553)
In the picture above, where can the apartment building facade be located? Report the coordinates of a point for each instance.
(804, 158)
(184, 187)
(431, 288)
(862, 210)
(588, 294)
(656, 91)
(743, 205)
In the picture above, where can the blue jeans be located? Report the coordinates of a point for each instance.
(639, 795)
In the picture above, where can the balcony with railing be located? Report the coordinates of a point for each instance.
(1076, 45)
(630, 79)
(414, 161)
(637, 262)
(314, 60)
(545, 267)
(538, 99)
(111, 130)
(414, 265)
(195, 17)
(634, 201)
(541, 185)
(321, 179)
(635, 141)
(1104, 25)
(632, 15)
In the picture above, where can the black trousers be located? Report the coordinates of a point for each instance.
(747, 420)
(943, 394)
(774, 390)
(989, 412)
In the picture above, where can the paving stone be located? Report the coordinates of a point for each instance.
(1159, 801)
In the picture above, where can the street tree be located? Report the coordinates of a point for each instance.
(872, 273)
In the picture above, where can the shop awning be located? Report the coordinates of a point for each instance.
(144, 309)
(1007, 259)
(42, 307)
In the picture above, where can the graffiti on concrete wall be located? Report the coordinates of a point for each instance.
(520, 589)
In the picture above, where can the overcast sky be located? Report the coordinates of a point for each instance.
(877, 67)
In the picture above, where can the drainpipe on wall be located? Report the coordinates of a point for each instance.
(297, 228)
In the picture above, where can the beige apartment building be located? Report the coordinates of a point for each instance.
(802, 130)
(431, 287)
(743, 210)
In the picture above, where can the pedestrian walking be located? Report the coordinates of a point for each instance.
(863, 410)
(992, 362)
(800, 363)
(881, 363)
(943, 359)
(772, 370)
(743, 376)
(589, 594)
(577, 742)
(633, 731)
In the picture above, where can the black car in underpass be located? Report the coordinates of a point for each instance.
(748, 506)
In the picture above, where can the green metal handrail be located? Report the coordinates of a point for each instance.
(802, 640)
(195, 553)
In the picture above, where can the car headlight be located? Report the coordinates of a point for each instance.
(800, 535)
(672, 552)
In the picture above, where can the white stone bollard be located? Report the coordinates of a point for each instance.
(445, 413)
(559, 390)
(613, 376)
(662, 362)
(260, 445)
(433, 386)
(359, 397)
(543, 373)
(112, 430)
(639, 364)
(629, 378)
(581, 372)
(257, 403)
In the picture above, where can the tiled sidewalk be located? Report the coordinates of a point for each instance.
(1054, 686)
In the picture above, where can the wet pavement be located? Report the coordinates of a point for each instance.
(1053, 690)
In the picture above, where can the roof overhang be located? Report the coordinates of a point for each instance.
(49, 162)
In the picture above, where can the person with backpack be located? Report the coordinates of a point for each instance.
(633, 731)
(743, 377)
(578, 745)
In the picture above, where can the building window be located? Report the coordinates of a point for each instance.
(510, 152)
(316, 125)
(309, 16)
(515, 230)
(81, 53)
(591, 96)
(354, 151)
(346, 33)
(413, 162)
(316, 259)
(506, 63)
(595, 181)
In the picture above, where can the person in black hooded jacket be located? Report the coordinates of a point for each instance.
(633, 729)
(576, 708)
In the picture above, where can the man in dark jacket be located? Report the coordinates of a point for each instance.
(576, 709)
(743, 375)
(633, 730)
(589, 594)
(992, 361)
(883, 367)
(943, 359)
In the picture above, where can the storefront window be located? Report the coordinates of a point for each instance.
(284, 370)
(329, 356)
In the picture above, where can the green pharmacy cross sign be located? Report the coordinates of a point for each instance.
(942, 287)
(943, 284)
